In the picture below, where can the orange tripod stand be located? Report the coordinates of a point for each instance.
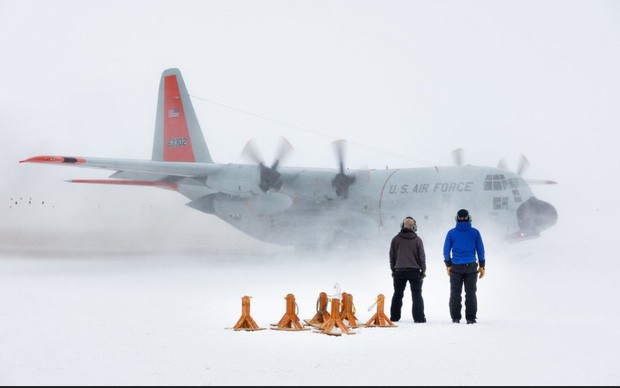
(334, 320)
(246, 322)
(321, 315)
(289, 321)
(380, 319)
(347, 310)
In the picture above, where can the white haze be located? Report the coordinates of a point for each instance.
(117, 285)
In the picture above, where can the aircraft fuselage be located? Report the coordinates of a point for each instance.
(379, 200)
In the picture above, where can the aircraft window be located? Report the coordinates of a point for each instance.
(517, 195)
(495, 182)
(488, 183)
(500, 203)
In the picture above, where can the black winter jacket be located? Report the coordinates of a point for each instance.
(407, 251)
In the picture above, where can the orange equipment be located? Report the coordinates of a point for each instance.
(290, 321)
(348, 308)
(321, 315)
(334, 320)
(246, 322)
(379, 319)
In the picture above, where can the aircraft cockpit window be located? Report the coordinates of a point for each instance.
(516, 183)
(495, 182)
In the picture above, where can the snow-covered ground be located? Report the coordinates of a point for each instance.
(86, 314)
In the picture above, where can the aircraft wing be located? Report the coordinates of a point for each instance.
(178, 169)
(234, 179)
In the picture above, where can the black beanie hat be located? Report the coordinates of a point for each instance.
(462, 214)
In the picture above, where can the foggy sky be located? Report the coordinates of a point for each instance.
(405, 82)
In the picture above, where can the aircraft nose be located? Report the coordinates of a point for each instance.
(535, 215)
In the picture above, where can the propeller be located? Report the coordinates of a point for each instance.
(457, 156)
(502, 164)
(341, 181)
(269, 176)
(524, 164)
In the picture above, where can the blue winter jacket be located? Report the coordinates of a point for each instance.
(464, 241)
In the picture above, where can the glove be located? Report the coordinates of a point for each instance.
(392, 273)
(449, 270)
(423, 275)
(481, 271)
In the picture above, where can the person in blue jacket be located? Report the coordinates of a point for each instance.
(462, 245)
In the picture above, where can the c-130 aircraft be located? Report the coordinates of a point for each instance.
(331, 206)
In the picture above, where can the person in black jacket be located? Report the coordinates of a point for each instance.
(408, 263)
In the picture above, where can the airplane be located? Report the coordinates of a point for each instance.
(316, 207)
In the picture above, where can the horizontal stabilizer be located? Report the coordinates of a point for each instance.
(163, 185)
(139, 176)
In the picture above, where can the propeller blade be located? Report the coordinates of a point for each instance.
(523, 165)
(284, 151)
(341, 181)
(540, 182)
(250, 152)
(338, 146)
(457, 156)
(269, 176)
(502, 164)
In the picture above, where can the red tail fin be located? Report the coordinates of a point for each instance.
(178, 137)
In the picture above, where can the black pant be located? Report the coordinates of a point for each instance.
(463, 274)
(400, 283)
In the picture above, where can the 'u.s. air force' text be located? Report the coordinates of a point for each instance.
(441, 187)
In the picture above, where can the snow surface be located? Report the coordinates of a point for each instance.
(90, 315)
